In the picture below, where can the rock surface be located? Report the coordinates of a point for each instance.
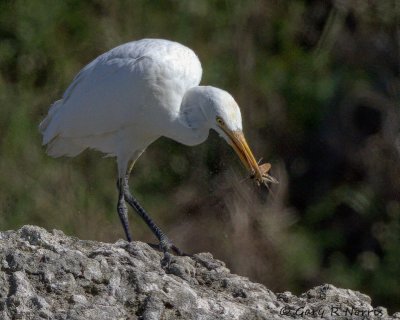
(48, 275)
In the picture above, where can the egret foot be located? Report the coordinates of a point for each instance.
(167, 246)
(168, 249)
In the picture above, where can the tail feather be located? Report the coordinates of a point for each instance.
(43, 126)
(57, 146)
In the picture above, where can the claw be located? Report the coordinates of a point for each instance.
(166, 246)
(166, 260)
(176, 250)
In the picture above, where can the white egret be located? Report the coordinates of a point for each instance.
(130, 96)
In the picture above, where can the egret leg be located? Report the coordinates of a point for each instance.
(123, 211)
(165, 243)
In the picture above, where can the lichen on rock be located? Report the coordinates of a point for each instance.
(48, 275)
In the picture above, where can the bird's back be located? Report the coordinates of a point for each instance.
(130, 90)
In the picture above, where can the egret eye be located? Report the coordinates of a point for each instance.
(220, 121)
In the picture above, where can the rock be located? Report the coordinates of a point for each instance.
(48, 275)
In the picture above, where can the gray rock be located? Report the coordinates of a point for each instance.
(48, 275)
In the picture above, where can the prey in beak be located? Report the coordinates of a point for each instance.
(238, 142)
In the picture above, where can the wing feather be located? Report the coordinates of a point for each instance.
(129, 85)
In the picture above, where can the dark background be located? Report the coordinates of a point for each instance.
(318, 85)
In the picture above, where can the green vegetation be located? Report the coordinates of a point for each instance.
(318, 84)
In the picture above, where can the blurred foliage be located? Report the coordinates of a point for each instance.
(318, 82)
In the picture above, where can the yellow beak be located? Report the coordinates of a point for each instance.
(239, 144)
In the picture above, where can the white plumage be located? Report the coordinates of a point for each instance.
(116, 97)
(133, 94)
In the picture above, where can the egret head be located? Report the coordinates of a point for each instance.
(212, 108)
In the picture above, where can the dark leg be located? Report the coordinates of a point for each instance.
(123, 210)
(165, 243)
